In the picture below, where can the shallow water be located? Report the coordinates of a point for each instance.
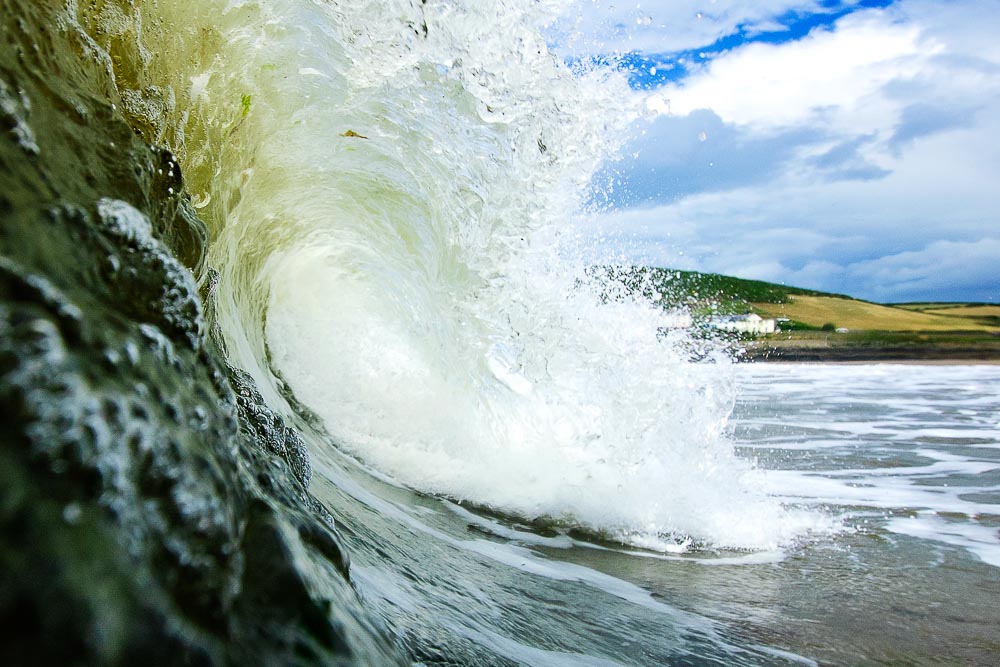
(909, 456)
(904, 460)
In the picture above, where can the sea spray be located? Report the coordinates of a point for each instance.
(432, 313)
(388, 189)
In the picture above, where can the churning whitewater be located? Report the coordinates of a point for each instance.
(390, 189)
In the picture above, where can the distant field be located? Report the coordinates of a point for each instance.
(988, 315)
(851, 314)
(951, 306)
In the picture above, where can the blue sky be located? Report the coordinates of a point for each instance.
(846, 146)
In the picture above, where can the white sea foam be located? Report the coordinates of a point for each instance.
(983, 541)
(933, 427)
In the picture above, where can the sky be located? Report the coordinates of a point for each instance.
(845, 146)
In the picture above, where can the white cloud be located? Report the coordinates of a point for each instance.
(841, 161)
(833, 77)
(811, 234)
(942, 268)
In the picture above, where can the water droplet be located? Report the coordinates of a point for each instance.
(132, 352)
(72, 513)
(112, 357)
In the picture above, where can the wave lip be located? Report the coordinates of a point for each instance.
(400, 256)
(390, 191)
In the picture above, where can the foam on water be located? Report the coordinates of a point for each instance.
(916, 446)
(983, 541)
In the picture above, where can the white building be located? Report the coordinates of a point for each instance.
(750, 324)
(677, 319)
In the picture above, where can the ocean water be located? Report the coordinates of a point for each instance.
(900, 464)
(302, 363)
(906, 457)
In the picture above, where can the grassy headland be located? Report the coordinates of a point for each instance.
(818, 326)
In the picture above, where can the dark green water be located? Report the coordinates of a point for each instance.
(152, 509)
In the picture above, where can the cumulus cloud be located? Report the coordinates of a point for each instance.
(770, 86)
(833, 236)
(832, 160)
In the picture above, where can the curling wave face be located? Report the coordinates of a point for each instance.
(390, 189)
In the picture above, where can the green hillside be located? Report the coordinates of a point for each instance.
(709, 294)
(706, 293)
(713, 286)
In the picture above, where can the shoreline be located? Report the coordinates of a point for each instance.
(853, 355)
(928, 352)
(874, 361)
